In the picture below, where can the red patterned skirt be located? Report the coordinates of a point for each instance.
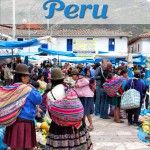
(21, 135)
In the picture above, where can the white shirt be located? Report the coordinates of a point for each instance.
(58, 93)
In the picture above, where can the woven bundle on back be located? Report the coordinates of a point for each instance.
(111, 88)
(12, 98)
(68, 111)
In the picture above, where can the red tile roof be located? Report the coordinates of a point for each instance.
(30, 26)
(65, 32)
(144, 35)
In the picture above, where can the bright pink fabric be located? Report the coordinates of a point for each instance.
(83, 89)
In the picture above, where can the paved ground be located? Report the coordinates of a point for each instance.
(108, 135)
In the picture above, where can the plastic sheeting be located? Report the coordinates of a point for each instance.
(18, 44)
(141, 134)
(2, 145)
(79, 61)
(130, 73)
(55, 52)
(8, 56)
(147, 77)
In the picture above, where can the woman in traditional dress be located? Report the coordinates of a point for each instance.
(64, 136)
(137, 84)
(21, 134)
(86, 95)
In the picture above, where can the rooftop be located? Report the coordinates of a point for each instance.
(144, 35)
(38, 31)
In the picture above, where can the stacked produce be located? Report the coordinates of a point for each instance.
(144, 129)
(42, 129)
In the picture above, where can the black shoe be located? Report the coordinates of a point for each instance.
(106, 117)
(130, 124)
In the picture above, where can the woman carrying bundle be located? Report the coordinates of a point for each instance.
(67, 131)
(19, 116)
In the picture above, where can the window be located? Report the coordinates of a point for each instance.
(132, 50)
(20, 39)
(138, 47)
(111, 44)
(69, 44)
(44, 46)
(89, 38)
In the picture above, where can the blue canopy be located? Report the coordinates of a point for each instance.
(8, 56)
(78, 61)
(55, 52)
(130, 73)
(18, 44)
(23, 54)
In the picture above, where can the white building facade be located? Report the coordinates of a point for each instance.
(84, 42)
(140, 44)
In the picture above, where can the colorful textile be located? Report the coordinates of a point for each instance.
(12, 99)
(111, 87)
(68, 111)
(82, 88)
(68, 138)
(21, 134)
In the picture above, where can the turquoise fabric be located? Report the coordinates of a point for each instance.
(2, 145)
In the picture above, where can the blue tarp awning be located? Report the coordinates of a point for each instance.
(8, 56)
(78, 61)
(55, 52)
(23, 54)
(18, 44)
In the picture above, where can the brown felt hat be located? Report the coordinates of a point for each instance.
(22, 69)
(75, 72)
(57, 74)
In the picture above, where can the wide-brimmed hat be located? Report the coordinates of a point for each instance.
(137, 74)
(57, 74)
(80, 66)
(22, 69)
(75, 72)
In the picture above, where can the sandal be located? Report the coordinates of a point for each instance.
(121, 121)
(90, 128)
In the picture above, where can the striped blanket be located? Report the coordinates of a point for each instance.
(12, 99)
(68, 111)
(112, 87)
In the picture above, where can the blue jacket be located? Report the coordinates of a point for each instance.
(29, 109)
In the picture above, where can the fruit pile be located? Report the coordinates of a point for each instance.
(42, 130)
(144, 129)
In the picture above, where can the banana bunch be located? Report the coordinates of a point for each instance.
(146, 127)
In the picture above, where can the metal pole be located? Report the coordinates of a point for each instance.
(0, 11)
(29, 22)
(14, 19)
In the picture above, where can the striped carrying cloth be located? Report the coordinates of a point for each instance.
(12, 99)
(68, 111)
(111, 88)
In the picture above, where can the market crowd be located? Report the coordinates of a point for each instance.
(69, 95)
